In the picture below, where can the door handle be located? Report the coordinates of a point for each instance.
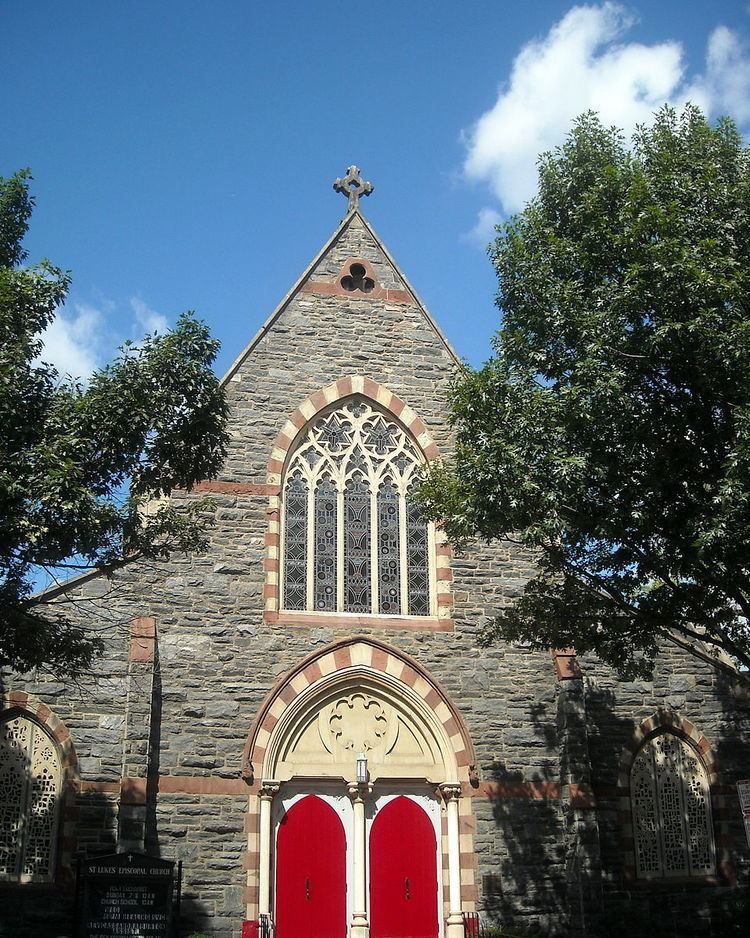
(307, 889)
(407, 888)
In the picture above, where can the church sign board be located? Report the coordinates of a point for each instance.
(743, 790)
(126, 895)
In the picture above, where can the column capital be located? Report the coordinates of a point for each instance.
(269, 788)
(358, 790)
(451, 791)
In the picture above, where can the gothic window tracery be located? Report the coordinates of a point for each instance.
(671, 810)
(353, 537)
(30, 784)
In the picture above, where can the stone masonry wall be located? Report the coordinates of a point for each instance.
(180, 725)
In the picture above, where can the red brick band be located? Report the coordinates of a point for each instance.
(379, 294)
(314, 620)
(372, 292)
(566, 664)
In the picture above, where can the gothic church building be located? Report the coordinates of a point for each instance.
(303, 716)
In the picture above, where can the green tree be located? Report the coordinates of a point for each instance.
(84, 469)
(610, 431)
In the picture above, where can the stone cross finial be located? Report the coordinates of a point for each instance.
(353, 186)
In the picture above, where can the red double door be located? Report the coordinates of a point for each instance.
(311, 872)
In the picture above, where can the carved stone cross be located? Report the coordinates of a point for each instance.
(353, 186)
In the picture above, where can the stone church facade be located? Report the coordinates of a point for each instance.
(303, 715)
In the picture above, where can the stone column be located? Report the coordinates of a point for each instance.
(360, 926)
(267, 791)
(140, 759)
(583, 851)
(455, 924)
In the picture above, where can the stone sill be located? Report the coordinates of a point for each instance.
(349, 620)
(665, 884)
(26, 882)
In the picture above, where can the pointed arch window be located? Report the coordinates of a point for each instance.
(30, 786)
(671, 809)
(354, 539)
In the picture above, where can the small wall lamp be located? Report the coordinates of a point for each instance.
(361, 769)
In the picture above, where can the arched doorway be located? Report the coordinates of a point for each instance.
(403, 872)
(361, 702)
(311, 872)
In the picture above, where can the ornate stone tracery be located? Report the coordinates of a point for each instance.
(354, 539)
(30, 785)
(352, 714)
(358, 722)
(671, 810)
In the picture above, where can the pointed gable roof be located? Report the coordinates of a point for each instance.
(324, 266)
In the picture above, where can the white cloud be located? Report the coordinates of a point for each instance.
(83, 336)
(73, 340)
(484, 230)
(146, 318)
(582, 63)
(724, 88)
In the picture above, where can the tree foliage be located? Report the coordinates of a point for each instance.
(84, 468)
(610, 431)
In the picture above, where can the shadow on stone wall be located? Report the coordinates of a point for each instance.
(732, 748)
(663, 908)
(559, 873)
(195, 919)
(151, 834)
(528, 889)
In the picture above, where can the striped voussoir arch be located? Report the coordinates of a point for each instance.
(347, 653)
(670, 721)
(283, 444)
(32, 707)
(379, 657)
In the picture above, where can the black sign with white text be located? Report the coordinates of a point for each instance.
(126, 895)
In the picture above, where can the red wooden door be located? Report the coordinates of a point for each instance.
(311, 872)
(403, 872)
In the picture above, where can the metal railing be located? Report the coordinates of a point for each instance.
(472, 925)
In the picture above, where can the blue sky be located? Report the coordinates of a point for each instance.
(183, 152)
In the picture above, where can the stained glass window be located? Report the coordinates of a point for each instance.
(325, 545)
(30, 783)
(357, 586)
(357, 543)
(295, 556)
(389, 566)
(417, 551)
(671, 810)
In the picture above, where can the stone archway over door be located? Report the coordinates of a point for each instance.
(357, 698)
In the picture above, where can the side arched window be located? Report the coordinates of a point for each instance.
(671, 808)
(30, 786)
(353, 537)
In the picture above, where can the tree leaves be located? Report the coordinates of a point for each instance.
(85, 471)
(610, 430)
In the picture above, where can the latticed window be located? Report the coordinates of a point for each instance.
(354, 538)
(30, 782)
(671, 810)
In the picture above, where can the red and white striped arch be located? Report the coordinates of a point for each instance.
(282, 447)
